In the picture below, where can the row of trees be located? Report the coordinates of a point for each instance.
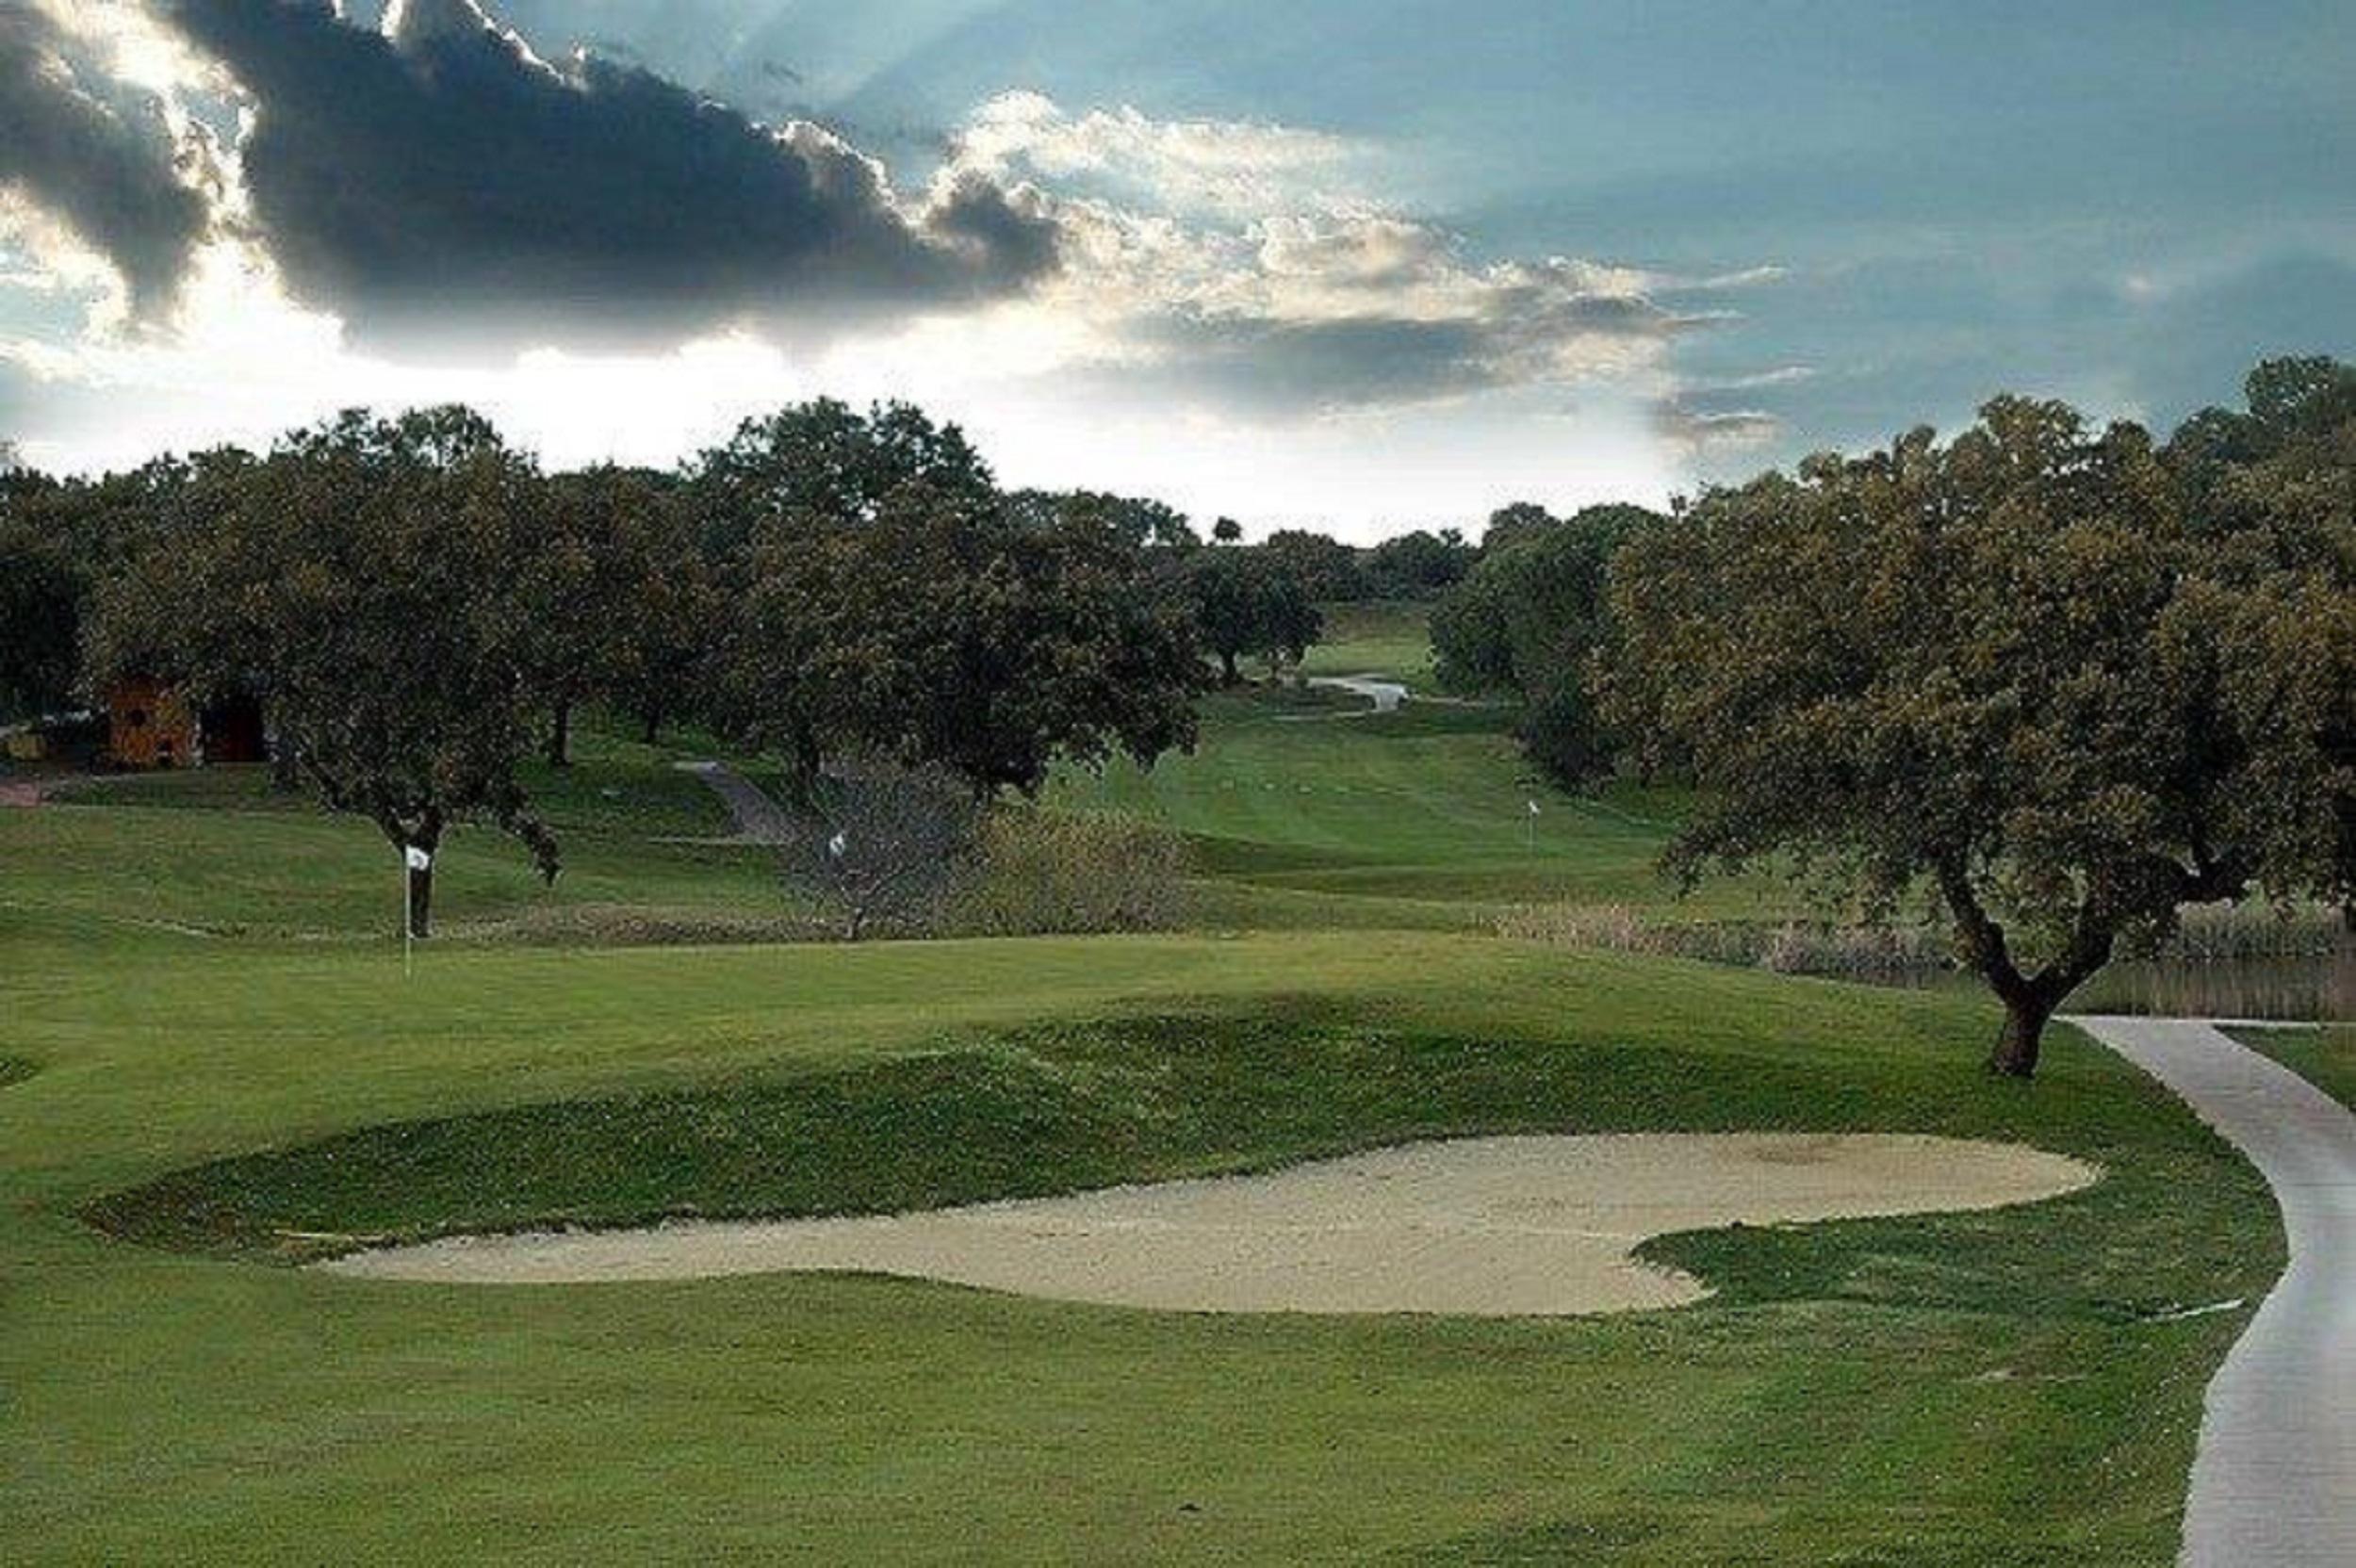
(2059, 680)
(418, 608)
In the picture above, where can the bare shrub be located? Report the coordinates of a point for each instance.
(881, 844)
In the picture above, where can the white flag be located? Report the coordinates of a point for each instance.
(1533, 808)
(418, 857)
(836, 845)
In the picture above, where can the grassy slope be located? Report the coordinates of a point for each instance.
(1426, 806)
(1306, 815)
(1375, 637)
(1947, 1391)
(1971, 1390)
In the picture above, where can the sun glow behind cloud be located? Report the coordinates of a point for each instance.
(1236, 321)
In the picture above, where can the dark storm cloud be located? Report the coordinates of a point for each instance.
(1503, 333)
(96, 155)
(446, 175)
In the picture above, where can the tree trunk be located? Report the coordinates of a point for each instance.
(421, 902)
(653, 717)
(2017, 1043)
(1228, 677)
(561, 736)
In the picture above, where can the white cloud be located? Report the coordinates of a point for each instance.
(1237, 168)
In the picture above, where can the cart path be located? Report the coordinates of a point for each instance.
(2274, 1479)
(1385, 695)
(759, 819)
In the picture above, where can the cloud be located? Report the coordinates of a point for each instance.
(1713, 433)
(430, 208)
(437, 177)
(1237, 259)
(98, 154)
(1235, 168)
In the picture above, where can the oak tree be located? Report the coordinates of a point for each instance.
(2008, 670)
(361, 581)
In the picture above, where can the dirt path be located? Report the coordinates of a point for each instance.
(2274, 1481)
(19, 794)
(1492, 1227)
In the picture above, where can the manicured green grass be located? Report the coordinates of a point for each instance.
(1386, 637)
(1431, 804)
(207, 1041)
(2325, 1057)
(1977, 1389)
(217, 851)
(299, 872)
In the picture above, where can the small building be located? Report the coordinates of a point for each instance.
(151, 725)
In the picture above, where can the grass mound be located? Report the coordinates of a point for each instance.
(14, 1069)
(1062, 1108)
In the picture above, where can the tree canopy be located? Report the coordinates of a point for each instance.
(361, 581)
(1527, 622)
(931, 624)
(2016, 670)
(1248, 602)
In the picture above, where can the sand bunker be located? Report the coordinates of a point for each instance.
(1497, 1227)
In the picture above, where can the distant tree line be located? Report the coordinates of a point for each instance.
(2054, 680)
(419, 608)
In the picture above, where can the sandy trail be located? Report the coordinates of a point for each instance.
(1492, 1227)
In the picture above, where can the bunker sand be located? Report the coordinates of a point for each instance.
(1485, 1227)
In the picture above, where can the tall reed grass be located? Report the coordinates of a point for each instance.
(2207, 934)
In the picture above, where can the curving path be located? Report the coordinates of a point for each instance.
(759, 819)
(1386, 695)
(2274, 1479)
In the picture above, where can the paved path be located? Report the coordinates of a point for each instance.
(1385, 695)
(758, 818)
(2274, 1481)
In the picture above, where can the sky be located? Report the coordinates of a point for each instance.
(1357, 265)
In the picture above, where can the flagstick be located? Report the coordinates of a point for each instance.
(408, 922)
